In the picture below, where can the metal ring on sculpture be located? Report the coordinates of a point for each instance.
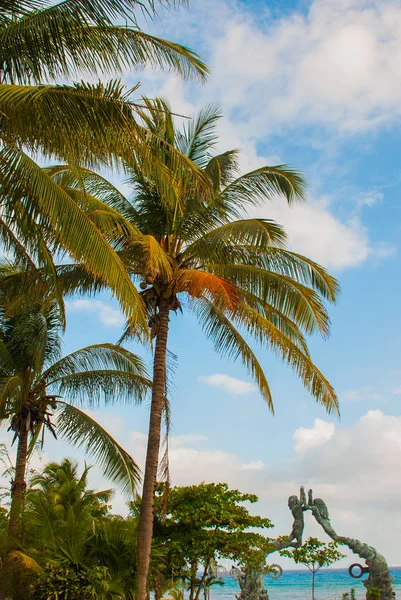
(221, 572)
(362, 570)
(274, 571)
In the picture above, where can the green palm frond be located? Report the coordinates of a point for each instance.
(280, 320)
(199, 135)
(19, 173)
(25, 561)
(95, 185)
(11, 389)
(96, 357)
(222, 168)
(257, 233)
(79, 429)
(110, 386)
(296, 301)
(267, 334)
(57, 44)
(263, 184)
(43, 116)
(229, 342)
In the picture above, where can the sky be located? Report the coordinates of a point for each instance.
(316, 85)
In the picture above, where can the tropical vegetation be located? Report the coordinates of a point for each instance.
(233, 272)
(75, 548)
(314, 554)
(35, 380)
(42, 42)
(183, 241)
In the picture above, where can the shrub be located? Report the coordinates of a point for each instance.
(60, 582)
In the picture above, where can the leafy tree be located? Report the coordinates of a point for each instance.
(41, 41)
(233, 273)
(35, 380)
(205, 523)
(314, 554)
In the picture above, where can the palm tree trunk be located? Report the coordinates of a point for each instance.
(145, 528)
(18, 487)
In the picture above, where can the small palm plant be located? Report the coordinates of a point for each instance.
(40, 392)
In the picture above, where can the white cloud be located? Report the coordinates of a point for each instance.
(229, 384)
(397, 391)
(336, 65)
(253, 465)
(354, 469)
(333, 67)
(106, 314)
(307, 438)
(314, 231)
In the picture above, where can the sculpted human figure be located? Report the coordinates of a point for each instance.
(321, 513)
(379, 573)
(297, 507)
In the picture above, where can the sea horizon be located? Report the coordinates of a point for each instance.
(295, 584)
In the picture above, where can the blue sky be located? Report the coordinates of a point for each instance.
(315, 85)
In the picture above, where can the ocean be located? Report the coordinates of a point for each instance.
(330, 584)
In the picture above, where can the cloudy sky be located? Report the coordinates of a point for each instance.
(316, 85)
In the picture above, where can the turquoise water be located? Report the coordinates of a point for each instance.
(330, 584)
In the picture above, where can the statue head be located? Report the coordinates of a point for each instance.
(292, 501)
(321, 505)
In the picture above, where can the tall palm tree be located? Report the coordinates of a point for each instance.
(41, 41)
(234, 273)
(35, 382)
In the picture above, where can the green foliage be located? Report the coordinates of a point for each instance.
(68, 532)
(374, 592)
(83, 123)
(35, 383)
(205, 523)
(350, 595)
(314, 554)
(58, 582)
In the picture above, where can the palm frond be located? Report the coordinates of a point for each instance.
(264, 184)
(256, 233)
(10, 394)
(56, 43)
(221, 168)
(200, 283)
(155, 260)
(90, 182)
(74, 230)
(296, 301)
(25, 561)
(267, 334)
(90, 388)
(200, 136)
(79, 429)
(229, 342)
(96, 357)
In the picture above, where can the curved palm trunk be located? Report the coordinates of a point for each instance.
(145, 528)
(18, 487)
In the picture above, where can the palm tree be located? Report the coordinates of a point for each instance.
(90, 124)
(61, 512)
(234, 273)
(35, 381)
